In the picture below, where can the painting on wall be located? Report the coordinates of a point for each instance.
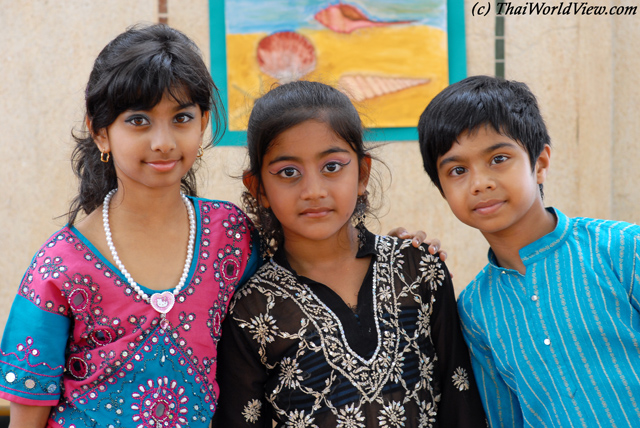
(389, 56)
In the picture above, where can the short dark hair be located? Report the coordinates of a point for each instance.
(134, 71)
(284, 107)
(509, 107)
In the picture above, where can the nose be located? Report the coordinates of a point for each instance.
(482, 181)
(313, 187)
(162, 139)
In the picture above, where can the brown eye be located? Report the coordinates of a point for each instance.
(138, 120)
(333, 167)
(458, 170)
(183, 118)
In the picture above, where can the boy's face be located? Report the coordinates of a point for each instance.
(487, 180)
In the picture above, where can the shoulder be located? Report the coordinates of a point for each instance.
(62, 243)
(411, 263)
(216, 214)
(218, 207)
(621, 228)
(476, 289)
(271, 285)
(266, 281)
(615, 238)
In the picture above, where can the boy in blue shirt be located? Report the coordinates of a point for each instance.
(553, 320)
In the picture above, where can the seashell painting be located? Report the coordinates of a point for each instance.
(344, 18)
(361, 87)
(391, 55)
(286, 56)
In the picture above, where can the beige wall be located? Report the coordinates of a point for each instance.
(583, 69)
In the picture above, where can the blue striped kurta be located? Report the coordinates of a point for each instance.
(560, 345)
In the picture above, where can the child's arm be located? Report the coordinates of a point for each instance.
(460, 404)
(501, 405)
(241, 377)
(23, 416)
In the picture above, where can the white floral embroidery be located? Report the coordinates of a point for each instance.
(461, 379)
(350, 417)
(426, 371)
(263, 328)
(392, 416)
(431, 268)
(424, 321)
(290, 373)
(384, 292)
(297, 419)
(251, 411)
(428, 415)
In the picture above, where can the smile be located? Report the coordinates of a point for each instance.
(162, 165)
(488, 207)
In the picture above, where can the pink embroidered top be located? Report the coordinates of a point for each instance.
(81, 340)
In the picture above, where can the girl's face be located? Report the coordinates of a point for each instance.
(311, 180)
(154, 148)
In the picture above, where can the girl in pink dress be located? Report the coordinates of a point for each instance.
(117, 318)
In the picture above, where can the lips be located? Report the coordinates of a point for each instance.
(315, 212)
(163, 165)
(488, 207)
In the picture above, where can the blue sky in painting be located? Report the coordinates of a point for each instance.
(251, 16)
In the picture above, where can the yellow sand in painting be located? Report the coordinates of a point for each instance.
(412, 51)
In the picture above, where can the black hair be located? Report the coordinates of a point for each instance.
(134, 71)
(282, 108)
(509, 107)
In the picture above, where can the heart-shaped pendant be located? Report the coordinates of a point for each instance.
(162, 302)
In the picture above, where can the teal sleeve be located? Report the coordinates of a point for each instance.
(255, 261)
(32, 354)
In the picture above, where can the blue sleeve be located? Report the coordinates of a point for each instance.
(501, 405)
(32, 354)
(255, 261)
(631, 250)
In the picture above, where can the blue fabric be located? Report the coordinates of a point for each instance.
(31, 365)
(560, 345)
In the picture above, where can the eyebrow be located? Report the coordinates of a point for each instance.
(185, 105)
(329, 151)
(489, 149)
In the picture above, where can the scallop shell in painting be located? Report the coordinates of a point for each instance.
(362, 87)
(344, 18)
(286, 56)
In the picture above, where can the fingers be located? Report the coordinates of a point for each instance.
(418, 238)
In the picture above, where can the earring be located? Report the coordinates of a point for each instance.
(103, 159)
(359, 216)
(200, 151)
(267, 231)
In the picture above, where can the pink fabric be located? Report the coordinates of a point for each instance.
(117, 347)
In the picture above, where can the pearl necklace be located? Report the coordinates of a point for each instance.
(160, 302)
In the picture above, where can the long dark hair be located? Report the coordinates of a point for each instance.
(134, 71)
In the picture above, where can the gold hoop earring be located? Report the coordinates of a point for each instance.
(103, 159)
(200, 151)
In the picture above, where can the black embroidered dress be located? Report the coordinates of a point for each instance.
(292, 351)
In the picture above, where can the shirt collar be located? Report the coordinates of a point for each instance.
(540, 248)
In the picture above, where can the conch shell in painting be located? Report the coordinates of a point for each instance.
(344, 18)
(362, 87)
(286, 56)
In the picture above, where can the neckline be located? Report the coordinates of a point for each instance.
(149, 291)
(541, 246)
(295, 278)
